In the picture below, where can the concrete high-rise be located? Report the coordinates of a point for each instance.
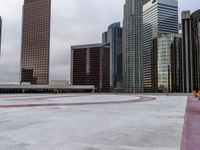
(167, 63)
(187, 57)
(159, 16)
(132, 46)
(35, 42)
(114, 37)
(90, 65)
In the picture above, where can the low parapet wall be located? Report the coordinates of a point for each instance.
(4, 89)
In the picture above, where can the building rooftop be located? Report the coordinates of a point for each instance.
(87, 46)
(151, 3)
(84, 122)
(53, 86)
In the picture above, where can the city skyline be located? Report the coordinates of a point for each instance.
(158, 18)
(68, 28)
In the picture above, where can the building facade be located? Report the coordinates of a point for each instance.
(0, 33)
(191, 50)
(59, 82)
(132, 46)
(90, 65)
(167, 63)
(187, 57)
(195, 30)
(114, 37)
(35, 42)
(159, 16)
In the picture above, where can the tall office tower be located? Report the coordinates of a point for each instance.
(114, 37)
(90, 65)
(167, 63)
(132, 46)
(195, 26)
(35, 42)
(187, 57)
(159, 16)
(0, 33)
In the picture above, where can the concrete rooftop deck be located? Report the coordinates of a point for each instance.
(91, 122)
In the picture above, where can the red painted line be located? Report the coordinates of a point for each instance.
(59, 96)
(18, 96)
(8, 97)
(142, 99)
(191, 129)
(41, 98)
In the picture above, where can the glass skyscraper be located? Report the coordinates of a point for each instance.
(132, 46)
(114, 37)
(159, 16)
(195, 27)
(167, 63)
(35, 42)
(0, 33)
(191, 50)
(187, 58)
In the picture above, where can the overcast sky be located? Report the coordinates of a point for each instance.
(73, 22)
